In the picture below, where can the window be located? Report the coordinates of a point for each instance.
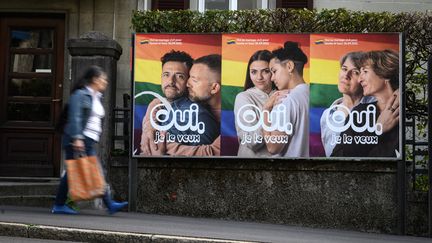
(234, 4)
(294, 4)
(248, 4)
(202, 5)
(217, 4)
(170, 4)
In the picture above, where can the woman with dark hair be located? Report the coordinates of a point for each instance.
(286, 118)
(83, 130)
(257, 90)
(333, 118)
(379, 77)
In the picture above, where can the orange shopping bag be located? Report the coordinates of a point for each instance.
(85, 178)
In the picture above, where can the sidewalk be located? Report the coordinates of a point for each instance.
(97, 226)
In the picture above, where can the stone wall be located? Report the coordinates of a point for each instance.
(350, 195)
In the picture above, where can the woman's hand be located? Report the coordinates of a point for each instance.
(389, 117)
(275, 99)
(78, 145)
(281, 95)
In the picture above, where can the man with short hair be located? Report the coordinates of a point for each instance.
(204, 86)
(204, 83)
(175, 73)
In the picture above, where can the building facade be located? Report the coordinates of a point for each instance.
(35, 63)
(35, 76)
(35, 68)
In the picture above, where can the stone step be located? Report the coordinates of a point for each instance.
(45, 201)
(35, 192)
(27, 188)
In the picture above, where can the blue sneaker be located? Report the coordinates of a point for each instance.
(64, 209)
(114, 207)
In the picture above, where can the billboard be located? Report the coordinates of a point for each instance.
(267, 95)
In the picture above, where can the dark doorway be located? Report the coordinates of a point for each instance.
(31, 78)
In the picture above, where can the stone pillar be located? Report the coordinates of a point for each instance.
(95, 48)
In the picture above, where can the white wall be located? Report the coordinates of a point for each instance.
(395, 6)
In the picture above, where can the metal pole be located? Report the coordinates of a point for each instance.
(430, 142)
(132, 172)
(401, 164)
(126, 113)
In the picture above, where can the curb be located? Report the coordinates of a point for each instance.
(86, 235)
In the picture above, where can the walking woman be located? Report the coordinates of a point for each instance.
(83, 130)
(257, 90)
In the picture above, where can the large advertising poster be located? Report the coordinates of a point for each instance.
(267, 95)
(176, 106)
(354, 95)
(247, 86)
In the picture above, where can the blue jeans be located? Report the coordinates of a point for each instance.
(71, 154)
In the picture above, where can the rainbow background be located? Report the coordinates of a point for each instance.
(321, 72)
(235, 58)
(147, 67)
(324, 73)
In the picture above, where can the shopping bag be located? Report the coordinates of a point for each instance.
(85, 178)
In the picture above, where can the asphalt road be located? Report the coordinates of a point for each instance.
(192, 227)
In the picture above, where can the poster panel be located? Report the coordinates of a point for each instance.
(172, 115)
(247, 86)
(354, 95)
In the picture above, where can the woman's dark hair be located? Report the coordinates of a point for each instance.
(385, 64)
(261, 55)
(92, 72)
(291, 51)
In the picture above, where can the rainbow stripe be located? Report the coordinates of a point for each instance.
(231, 41)
(144, 42)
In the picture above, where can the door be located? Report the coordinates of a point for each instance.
(31, 78)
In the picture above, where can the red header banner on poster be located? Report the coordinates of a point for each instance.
(267, 95)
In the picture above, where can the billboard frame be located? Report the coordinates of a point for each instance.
(402, 100)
